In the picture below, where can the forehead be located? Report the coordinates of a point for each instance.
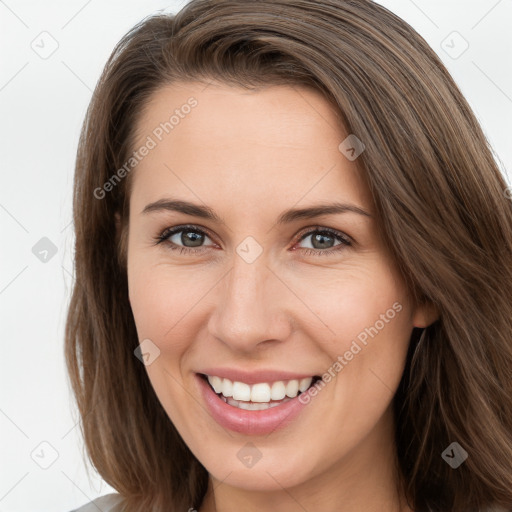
(274, 143)
(295, 101)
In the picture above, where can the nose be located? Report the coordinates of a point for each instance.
(252, 307)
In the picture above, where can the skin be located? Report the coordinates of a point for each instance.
(250, 155)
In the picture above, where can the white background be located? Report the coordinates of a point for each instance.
(43, 102)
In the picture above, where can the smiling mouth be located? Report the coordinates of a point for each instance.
(258, 397)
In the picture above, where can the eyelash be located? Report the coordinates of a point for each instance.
(167, 233)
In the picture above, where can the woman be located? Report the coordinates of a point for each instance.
(293, 269)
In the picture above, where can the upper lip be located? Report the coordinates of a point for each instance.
(256, 376)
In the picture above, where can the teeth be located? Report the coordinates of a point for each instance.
(241, 391)
(305, 383)
(261, 393)
(278, 390)
(292, 388)
(252, 406)
(216, 383)
(227, 387)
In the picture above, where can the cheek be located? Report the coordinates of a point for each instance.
(367, 326)
(356, 302)
(162, 303)
(162, 298)
(370, 350)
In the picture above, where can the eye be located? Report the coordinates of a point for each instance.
(322, 241)
(191, 238)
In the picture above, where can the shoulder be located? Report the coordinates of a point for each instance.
(107, 503)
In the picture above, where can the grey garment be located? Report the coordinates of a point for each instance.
(108, 503)
(113, 503)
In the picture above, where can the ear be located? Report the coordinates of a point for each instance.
(425, 314)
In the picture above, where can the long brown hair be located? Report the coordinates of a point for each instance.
(441, 204)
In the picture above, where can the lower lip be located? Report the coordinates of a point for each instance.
(249, 422)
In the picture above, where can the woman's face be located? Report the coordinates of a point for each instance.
(243, 290)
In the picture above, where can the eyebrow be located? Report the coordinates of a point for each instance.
(286, 217)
